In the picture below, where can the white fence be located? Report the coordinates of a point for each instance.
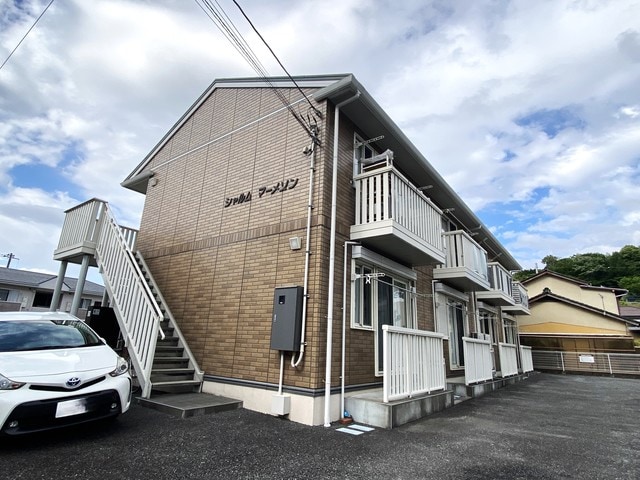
(478, 364)
(508, 359)
(587, 362)
(527, 359)
(413, 362)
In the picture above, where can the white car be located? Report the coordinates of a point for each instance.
(55, 371)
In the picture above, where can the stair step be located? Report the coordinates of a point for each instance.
(170, 362)
(176, 386)
(169, 351)
(168, 341)
(171, 371)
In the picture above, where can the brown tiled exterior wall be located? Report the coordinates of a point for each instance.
(217, 265)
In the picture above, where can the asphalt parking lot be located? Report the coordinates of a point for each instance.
(549, 426)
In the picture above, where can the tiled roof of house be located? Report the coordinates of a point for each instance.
(629, 312)
(29, 279)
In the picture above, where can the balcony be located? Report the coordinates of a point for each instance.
(521, 300)
(500, 293)
(395, 218)
(465, 266)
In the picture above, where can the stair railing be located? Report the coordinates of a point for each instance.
(136, 309)
(198, 374)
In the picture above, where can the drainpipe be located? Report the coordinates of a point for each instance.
(312, 168)
(332, 252)
(344, 325)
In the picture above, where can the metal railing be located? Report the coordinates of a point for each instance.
(384, 194)
(81, 224)
(500, 278)
(478, 363)
(508, 359)
(413, 362)
(587, 362)
(463, 251)
(526, 358)
(520, 295)
(133, 302)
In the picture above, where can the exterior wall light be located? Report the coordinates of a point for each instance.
(294, 243)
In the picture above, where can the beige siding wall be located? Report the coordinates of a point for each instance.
(602, 299)
(558, 318)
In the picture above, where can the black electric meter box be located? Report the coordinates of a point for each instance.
(286, 323)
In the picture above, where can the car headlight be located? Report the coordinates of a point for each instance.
(121, 367)
(6, 384)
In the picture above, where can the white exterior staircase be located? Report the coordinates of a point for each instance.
(159, 353)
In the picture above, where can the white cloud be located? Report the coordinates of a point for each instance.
(111, 77)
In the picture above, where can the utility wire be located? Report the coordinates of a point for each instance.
(277, 59)
(218, 16)
(25, 35)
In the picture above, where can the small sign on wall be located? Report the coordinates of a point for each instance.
(586, 359)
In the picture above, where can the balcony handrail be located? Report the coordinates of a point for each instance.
(478, 363)
(385, 195)
(463, 251)
(413, 362)
(392, 169)
(500, 278)
(520, 294)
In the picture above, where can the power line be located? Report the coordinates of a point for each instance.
(277, 59)
(218, 16)
(25, 35)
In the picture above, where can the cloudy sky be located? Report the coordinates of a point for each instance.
(529, 109)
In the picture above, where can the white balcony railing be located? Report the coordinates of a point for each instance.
(508, 359)
(463, 251)
(385, 199)
(413, 362)
(527, 358)
(500, 279)
(478, 363)
(520, 295)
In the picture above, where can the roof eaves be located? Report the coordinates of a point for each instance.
(349, 86)
(137, 181)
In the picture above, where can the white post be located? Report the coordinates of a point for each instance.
(55, 300)
(77, 295)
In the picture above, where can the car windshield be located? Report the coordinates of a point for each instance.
(16, 336)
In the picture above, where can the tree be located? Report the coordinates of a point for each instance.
(632, 284)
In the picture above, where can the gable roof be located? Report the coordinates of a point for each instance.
(29, 279)
(575, 281)
(373, 122)
(550, 296)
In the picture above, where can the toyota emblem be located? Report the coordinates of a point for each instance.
(73, 382)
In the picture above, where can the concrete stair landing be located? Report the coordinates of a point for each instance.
(189, 404)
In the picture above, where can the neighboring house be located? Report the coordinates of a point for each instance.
(632, 313)
(260, 240)
(33, 291)
(570, 315)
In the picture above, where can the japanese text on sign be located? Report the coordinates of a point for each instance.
(278, 187)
